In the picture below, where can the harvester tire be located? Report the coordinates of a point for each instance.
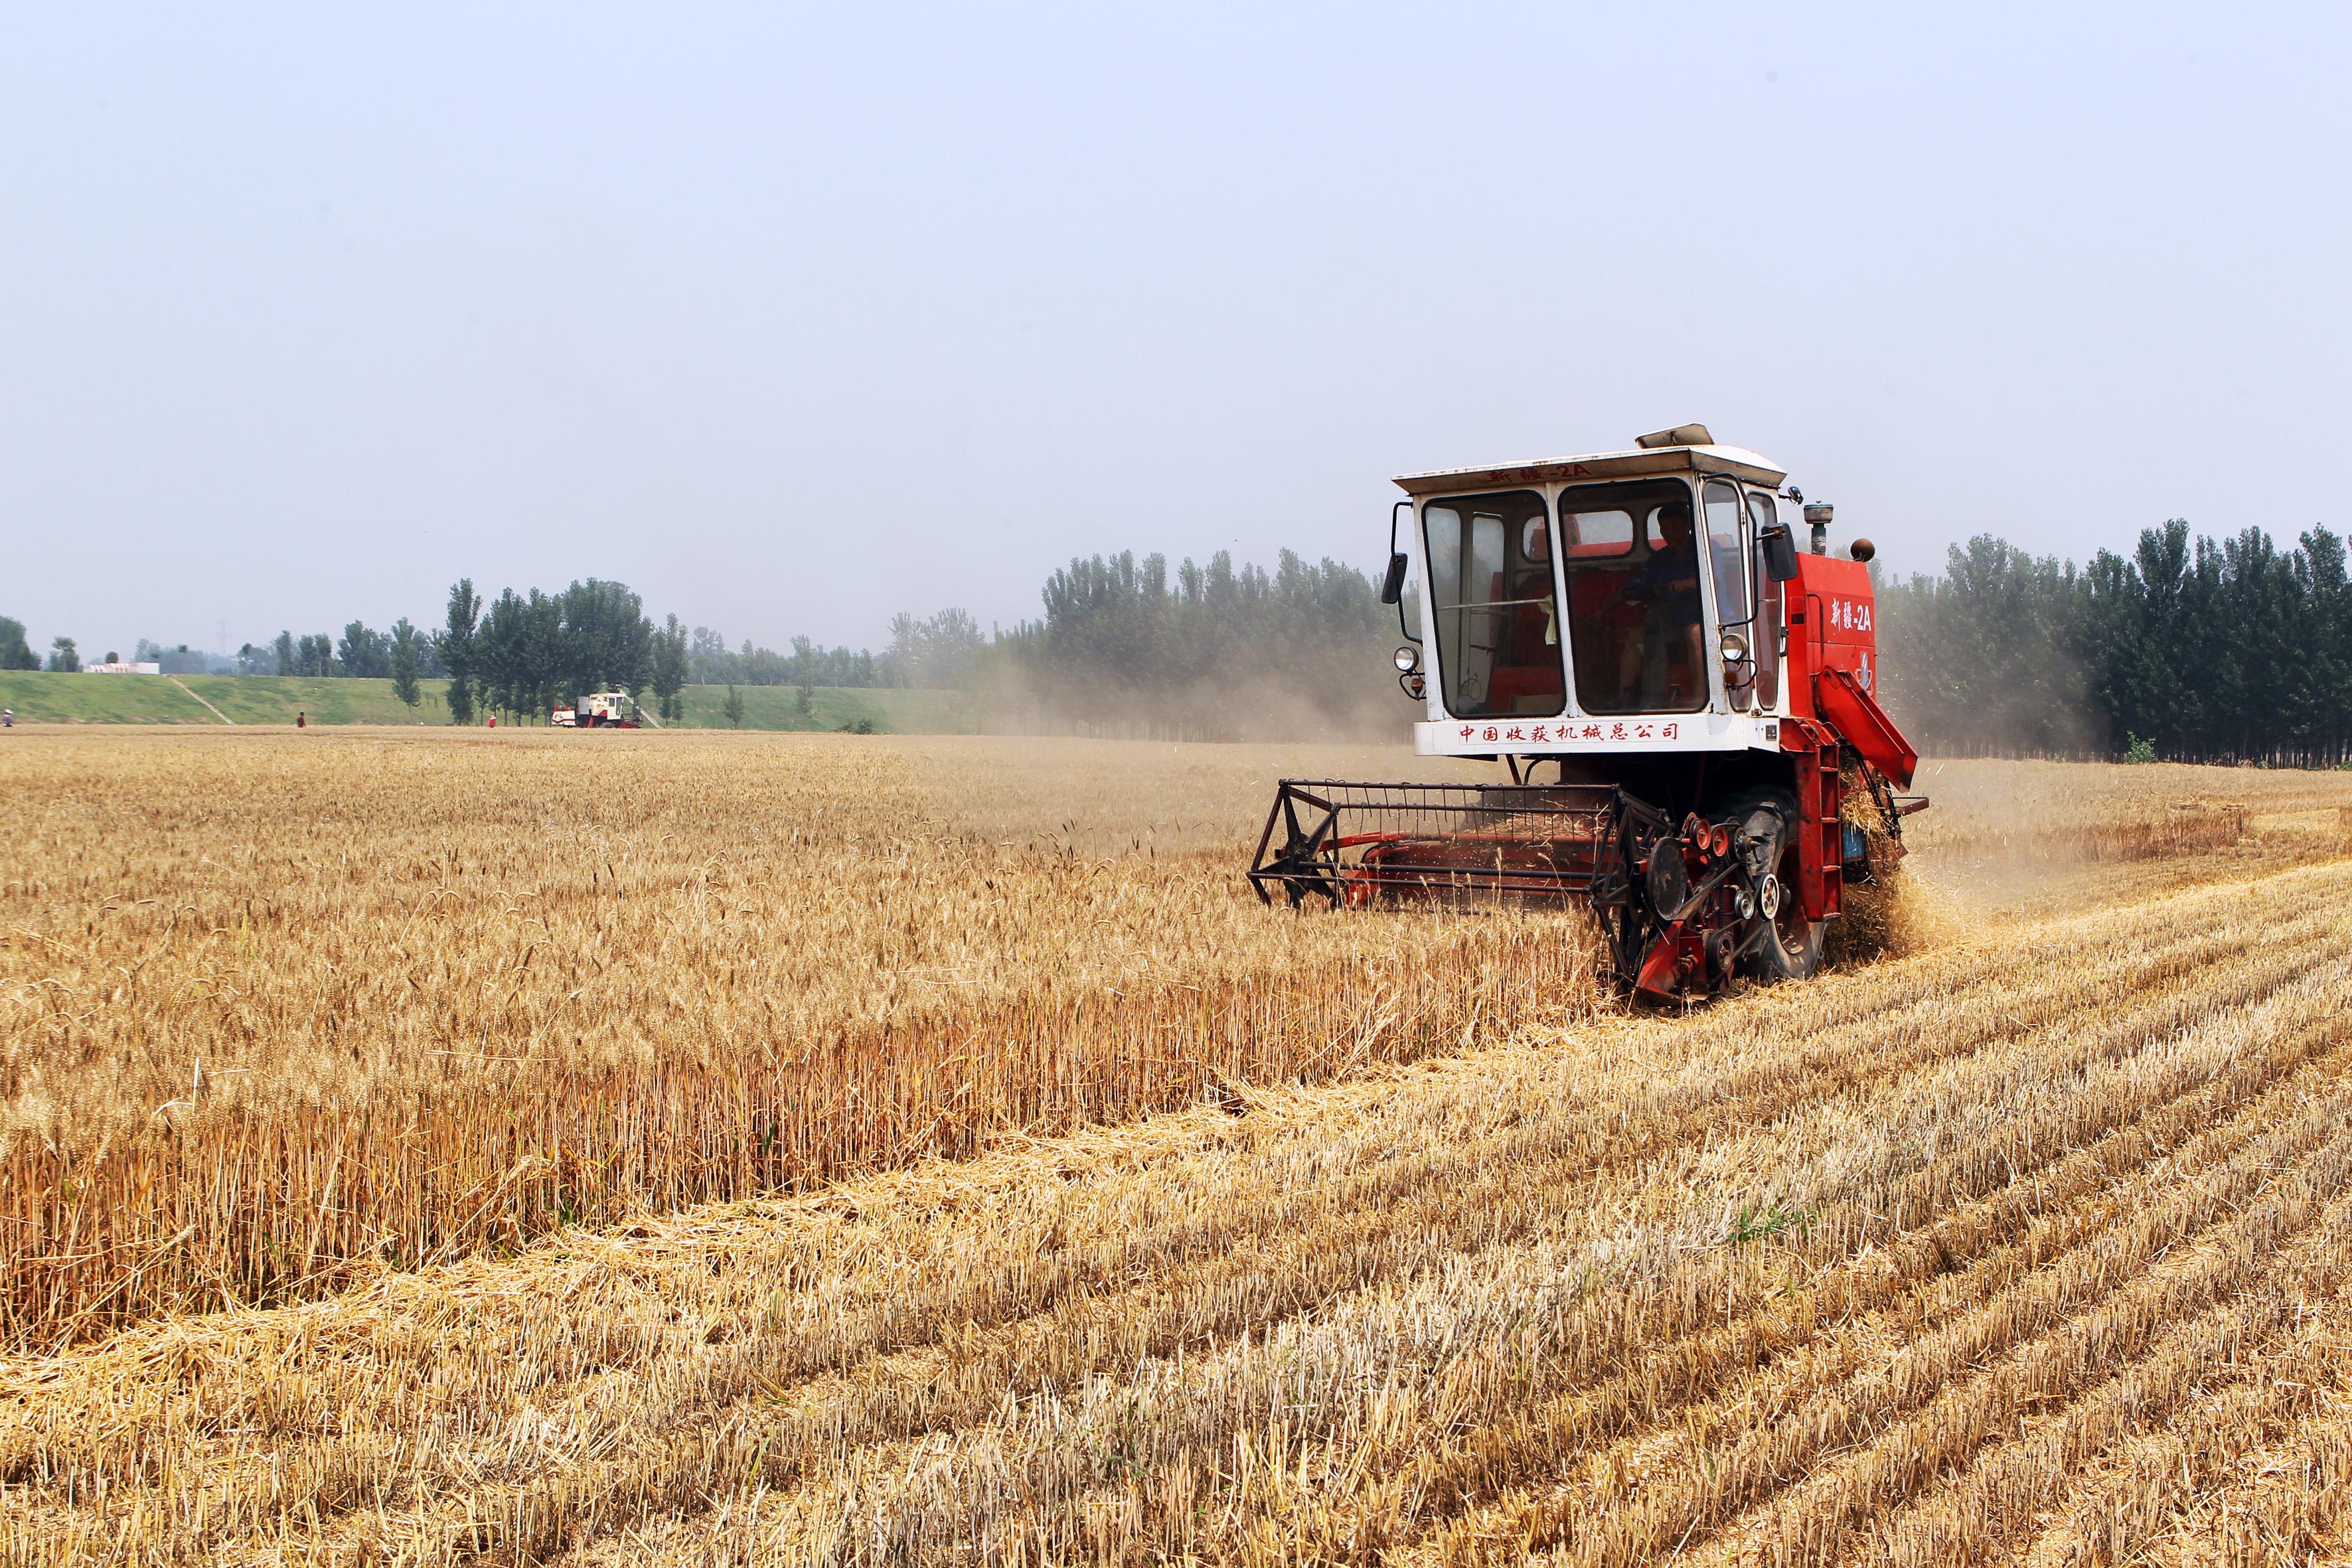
(1790, 945)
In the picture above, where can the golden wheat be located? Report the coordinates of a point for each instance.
(273, 1005)
(2031, 1244)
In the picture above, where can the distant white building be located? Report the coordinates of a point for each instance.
(123, 666)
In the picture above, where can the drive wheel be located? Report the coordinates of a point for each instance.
(1789, 947)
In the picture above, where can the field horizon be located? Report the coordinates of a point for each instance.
(41, 698)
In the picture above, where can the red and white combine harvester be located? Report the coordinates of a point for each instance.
(599, 710)
(1684, 702)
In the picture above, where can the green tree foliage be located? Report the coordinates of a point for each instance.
(406, 643)
(534, 650)
(669, 671)
(313, 654)
(455, 645)
(364, 653)
(515, 651)
(15, 653)
(65, 659)
(2187, 649)
(734, 708)
(608, 639)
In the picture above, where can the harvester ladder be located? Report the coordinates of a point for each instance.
(1831, 825)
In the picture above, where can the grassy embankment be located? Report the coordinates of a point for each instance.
(45, 698)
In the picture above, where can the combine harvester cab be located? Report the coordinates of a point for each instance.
(1684, 702)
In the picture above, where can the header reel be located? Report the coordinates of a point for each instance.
(1685, 908)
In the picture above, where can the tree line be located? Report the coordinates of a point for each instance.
(2186, 649)
(1125, 645)
(523, 653)
(710, 662)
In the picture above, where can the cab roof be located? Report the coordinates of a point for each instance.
(1641, 462)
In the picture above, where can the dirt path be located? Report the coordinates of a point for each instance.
(207, 706)
(2034, 1247)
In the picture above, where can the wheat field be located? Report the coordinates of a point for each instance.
(1343, 1238)
(277, 1006)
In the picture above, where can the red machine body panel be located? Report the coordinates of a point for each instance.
(1832, 625)
(1833, 661)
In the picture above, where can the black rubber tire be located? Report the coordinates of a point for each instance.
(1792, 946)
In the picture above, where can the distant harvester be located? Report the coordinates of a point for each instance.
(599, 710)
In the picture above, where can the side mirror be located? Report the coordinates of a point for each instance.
(1392, 586)
(1779, 553)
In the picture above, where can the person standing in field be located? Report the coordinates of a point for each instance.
(301, 719)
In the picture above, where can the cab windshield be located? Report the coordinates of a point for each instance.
(1492, 604)
(1632, 560)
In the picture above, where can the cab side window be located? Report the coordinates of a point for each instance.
(1727, 549)
(1763, 511)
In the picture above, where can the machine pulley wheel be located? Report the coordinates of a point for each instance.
(1788, 945)
(1667, 878)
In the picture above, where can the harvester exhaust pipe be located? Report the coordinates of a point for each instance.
(1818, 514)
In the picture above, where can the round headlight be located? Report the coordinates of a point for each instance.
(1408, 660)
(1735, 648)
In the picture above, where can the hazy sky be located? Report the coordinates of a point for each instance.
(795, 318)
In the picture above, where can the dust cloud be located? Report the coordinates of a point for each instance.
(1264, 708)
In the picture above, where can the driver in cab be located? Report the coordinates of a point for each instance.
(1667, 586)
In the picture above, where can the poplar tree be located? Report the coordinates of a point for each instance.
(456, 648)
